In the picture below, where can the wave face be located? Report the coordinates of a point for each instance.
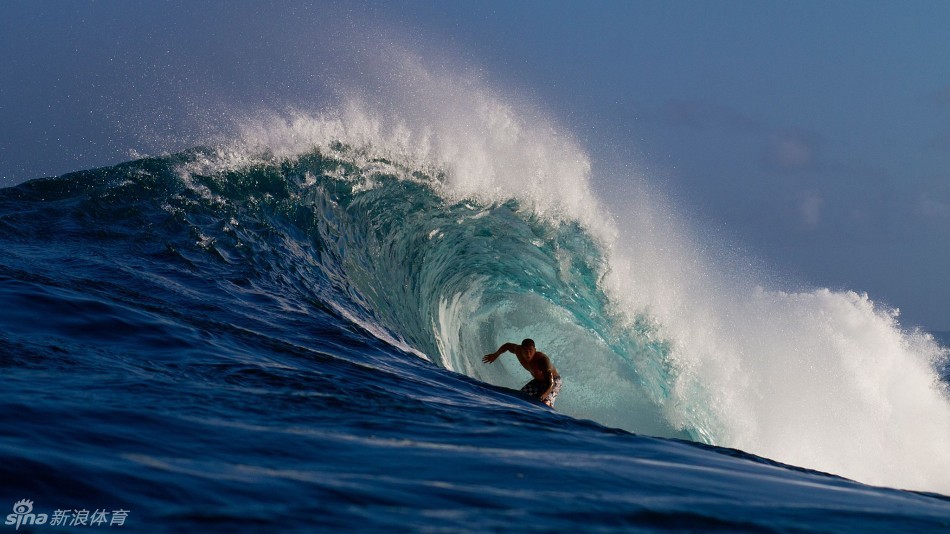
(657, 336)
(289, 326)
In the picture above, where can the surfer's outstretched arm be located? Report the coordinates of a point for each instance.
(507, 347)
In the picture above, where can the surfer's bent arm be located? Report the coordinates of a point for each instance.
(548, 373)
(507, 347)
(548, 382)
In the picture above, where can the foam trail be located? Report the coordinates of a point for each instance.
(822, 379)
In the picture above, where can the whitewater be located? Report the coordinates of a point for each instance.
(300, 310)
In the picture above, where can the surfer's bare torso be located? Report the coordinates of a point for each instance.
(546, 383)
(539, 366)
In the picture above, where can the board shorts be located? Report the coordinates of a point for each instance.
(536, 387)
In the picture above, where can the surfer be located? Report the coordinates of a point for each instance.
(546, 383)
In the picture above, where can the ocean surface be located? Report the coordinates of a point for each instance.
(265, 339)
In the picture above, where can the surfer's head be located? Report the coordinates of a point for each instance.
(528, 346)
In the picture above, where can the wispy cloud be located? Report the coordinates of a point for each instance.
(935, 209)
(810, 204)
(708, 115)
(934, 205)
(794, 150)
(785, 149)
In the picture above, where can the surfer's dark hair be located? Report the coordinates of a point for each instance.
(527, 343)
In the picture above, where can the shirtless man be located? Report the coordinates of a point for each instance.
(547, 383)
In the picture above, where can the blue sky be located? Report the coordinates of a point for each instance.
(815, 136)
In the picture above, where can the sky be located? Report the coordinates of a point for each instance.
(812, 136)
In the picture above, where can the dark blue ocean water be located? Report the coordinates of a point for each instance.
(258, 349)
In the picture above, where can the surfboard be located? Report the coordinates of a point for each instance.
(520, 395)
